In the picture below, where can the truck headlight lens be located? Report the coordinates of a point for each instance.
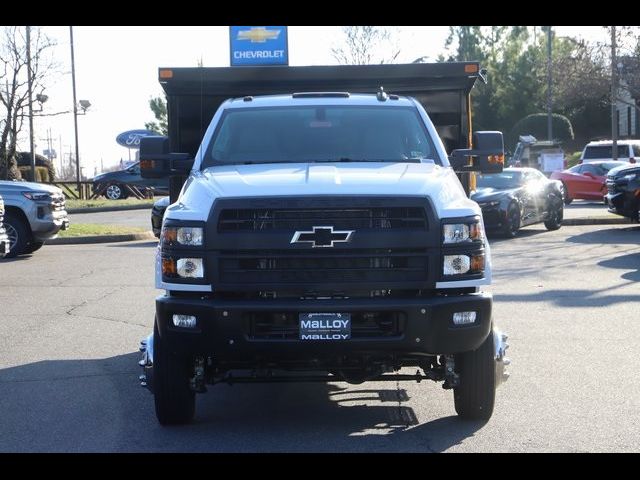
(37, 196)
(183, 268)
(461, 264)
(190, 268)
(186, 236)
(462, 232)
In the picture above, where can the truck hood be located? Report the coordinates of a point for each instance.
(7, 187)
(302, 179)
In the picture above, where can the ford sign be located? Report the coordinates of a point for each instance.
(131, 138)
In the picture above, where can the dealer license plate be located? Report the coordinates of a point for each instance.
(325, 326)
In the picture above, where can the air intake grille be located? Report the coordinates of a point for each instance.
(232, 220)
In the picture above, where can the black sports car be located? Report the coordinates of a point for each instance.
(157, 212)
(518, 197)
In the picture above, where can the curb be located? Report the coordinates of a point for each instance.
(109, 209)
(127, 237)
(596, 221)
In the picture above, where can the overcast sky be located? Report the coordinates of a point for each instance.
(117, 67)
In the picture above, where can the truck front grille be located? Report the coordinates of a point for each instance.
(286, 325)
(57, 202)
(232, 220)
(340, 266)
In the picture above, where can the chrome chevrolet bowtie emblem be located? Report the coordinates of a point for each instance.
(322, 237)
(258, 34)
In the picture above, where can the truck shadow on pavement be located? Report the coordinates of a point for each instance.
(96, 405)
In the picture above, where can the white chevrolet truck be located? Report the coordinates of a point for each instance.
(322, 234)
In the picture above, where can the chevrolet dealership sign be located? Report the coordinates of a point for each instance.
(259, 46)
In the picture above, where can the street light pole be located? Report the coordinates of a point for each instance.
(549, 99)
(614, 93)
(75, 112)
(32, 148)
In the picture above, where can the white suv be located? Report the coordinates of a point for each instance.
(628, 150)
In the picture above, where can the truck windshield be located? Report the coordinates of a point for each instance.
(324, 133)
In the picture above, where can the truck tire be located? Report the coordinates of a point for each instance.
(174, 400)
(474, 397)
(33, 246)
(19, 234)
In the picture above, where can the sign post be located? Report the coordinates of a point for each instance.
(258, 46)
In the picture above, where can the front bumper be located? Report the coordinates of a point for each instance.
(223, 327)
(623, 203)
(47, 226)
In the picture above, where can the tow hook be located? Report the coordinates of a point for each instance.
(451, 378)
(197, 381)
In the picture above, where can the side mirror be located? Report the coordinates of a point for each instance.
(156, 161)
(487, 154)
(589, 174)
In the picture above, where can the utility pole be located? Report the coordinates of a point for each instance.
(614, 92)
(30, 87)
(75, 112)
(549, 99)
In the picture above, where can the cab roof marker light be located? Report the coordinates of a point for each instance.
(166, 73)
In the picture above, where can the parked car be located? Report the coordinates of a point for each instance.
(518, 197)
(4, 239)
(585, 181)
(128, 176)
(157, 212)
(628, 150)
(34, 213)
(623, 191)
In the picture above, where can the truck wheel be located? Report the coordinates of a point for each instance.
(475, 396)
(33, 246)
(18, 234)
(175, 401)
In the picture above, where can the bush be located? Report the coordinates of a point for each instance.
(573, 159)
(24, 160)
(536, 125)
(42, 174)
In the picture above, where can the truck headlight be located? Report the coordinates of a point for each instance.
(183, 268)
(463, 232)
(461, 264)
(185, 236)
(37, 196)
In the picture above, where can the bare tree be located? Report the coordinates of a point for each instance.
(363, 46)
(14, 94)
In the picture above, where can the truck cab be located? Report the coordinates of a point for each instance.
(323, 236)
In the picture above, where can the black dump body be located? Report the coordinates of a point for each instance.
(194, 94)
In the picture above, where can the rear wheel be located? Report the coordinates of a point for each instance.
(556, 213)
(512, 222)
(474, 398)
(174, 400)
(18, 233)
(565, 194)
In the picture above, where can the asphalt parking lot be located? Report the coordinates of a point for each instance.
(71, 317)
